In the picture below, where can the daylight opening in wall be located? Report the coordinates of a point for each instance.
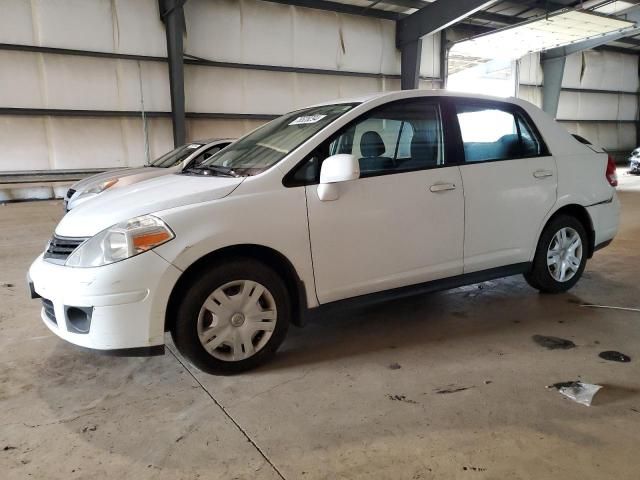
(487, 63)
(497, 77)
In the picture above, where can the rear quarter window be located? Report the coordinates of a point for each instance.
(493, 132)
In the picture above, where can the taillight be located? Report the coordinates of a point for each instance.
(612, 176)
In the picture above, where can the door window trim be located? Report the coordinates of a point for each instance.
(449, 147)
(517, 112)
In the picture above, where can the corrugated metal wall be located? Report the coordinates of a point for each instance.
(361, 49)
(599, 97)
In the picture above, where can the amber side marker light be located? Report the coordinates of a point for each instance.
(146, 241)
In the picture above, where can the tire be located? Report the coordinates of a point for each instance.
(242, 327)
(546, 272)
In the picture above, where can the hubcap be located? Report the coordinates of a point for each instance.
(237, 320)
(564, 254)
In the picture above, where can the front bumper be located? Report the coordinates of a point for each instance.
(126, 300)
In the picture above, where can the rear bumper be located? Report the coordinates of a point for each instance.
(606, 221)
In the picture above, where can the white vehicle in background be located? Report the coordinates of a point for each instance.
(350, 201)
(171, 162)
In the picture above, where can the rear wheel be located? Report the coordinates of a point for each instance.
(233, 318)
(561, 256)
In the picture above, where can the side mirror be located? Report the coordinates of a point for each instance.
(335, 169)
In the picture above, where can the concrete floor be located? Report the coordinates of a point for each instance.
(448, 385)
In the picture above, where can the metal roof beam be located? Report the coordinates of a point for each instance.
(340, 8)
(587, 44)
(434, 17)
(635, 42)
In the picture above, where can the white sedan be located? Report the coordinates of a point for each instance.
(171, 162)
(346, 202)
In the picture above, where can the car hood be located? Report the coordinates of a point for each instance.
(160, 193)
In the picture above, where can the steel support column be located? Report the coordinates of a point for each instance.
(410, 54)
(553, 70)
(444, 59)
(172, 15)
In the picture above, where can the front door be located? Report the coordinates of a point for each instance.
(402, 221)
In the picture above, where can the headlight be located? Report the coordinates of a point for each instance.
(101, 187)
(123, 240)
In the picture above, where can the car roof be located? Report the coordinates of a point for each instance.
(395, 95)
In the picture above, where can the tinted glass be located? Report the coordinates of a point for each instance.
(270, 143)
(174, 157)
(398, 137)
(208, 153)
(490, 133)
(531, 146)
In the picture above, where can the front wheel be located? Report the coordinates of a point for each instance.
(561, 256)
(233, 317)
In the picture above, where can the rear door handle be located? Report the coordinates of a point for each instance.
(442, 187)
(543, 173)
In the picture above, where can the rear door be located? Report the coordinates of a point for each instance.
(510, 183)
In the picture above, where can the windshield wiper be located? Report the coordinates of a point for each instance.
(205, 169)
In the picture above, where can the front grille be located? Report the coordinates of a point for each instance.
(61, 247)
(48, 310)
(70, 192)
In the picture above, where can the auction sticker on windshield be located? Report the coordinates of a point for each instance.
(307, 119)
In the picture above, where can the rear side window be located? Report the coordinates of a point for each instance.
(491, 133)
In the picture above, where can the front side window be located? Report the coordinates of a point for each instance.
(491, 133)
(399, 137)
(266, 146)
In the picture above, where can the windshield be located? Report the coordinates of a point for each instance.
(270, 143)
(174, 157)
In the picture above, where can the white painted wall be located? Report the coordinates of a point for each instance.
(592, 70)
(236, 31)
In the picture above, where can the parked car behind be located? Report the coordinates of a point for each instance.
(634, 162)
(351, 201)
(171, 162)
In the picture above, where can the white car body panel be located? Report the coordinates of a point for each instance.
(380, 233)
(168, 191)
(381, 247)
(129, 176)
(254, 203)
(129, 300)
(505, 196)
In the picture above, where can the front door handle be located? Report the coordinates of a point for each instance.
(442, 187)
(542, 173)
